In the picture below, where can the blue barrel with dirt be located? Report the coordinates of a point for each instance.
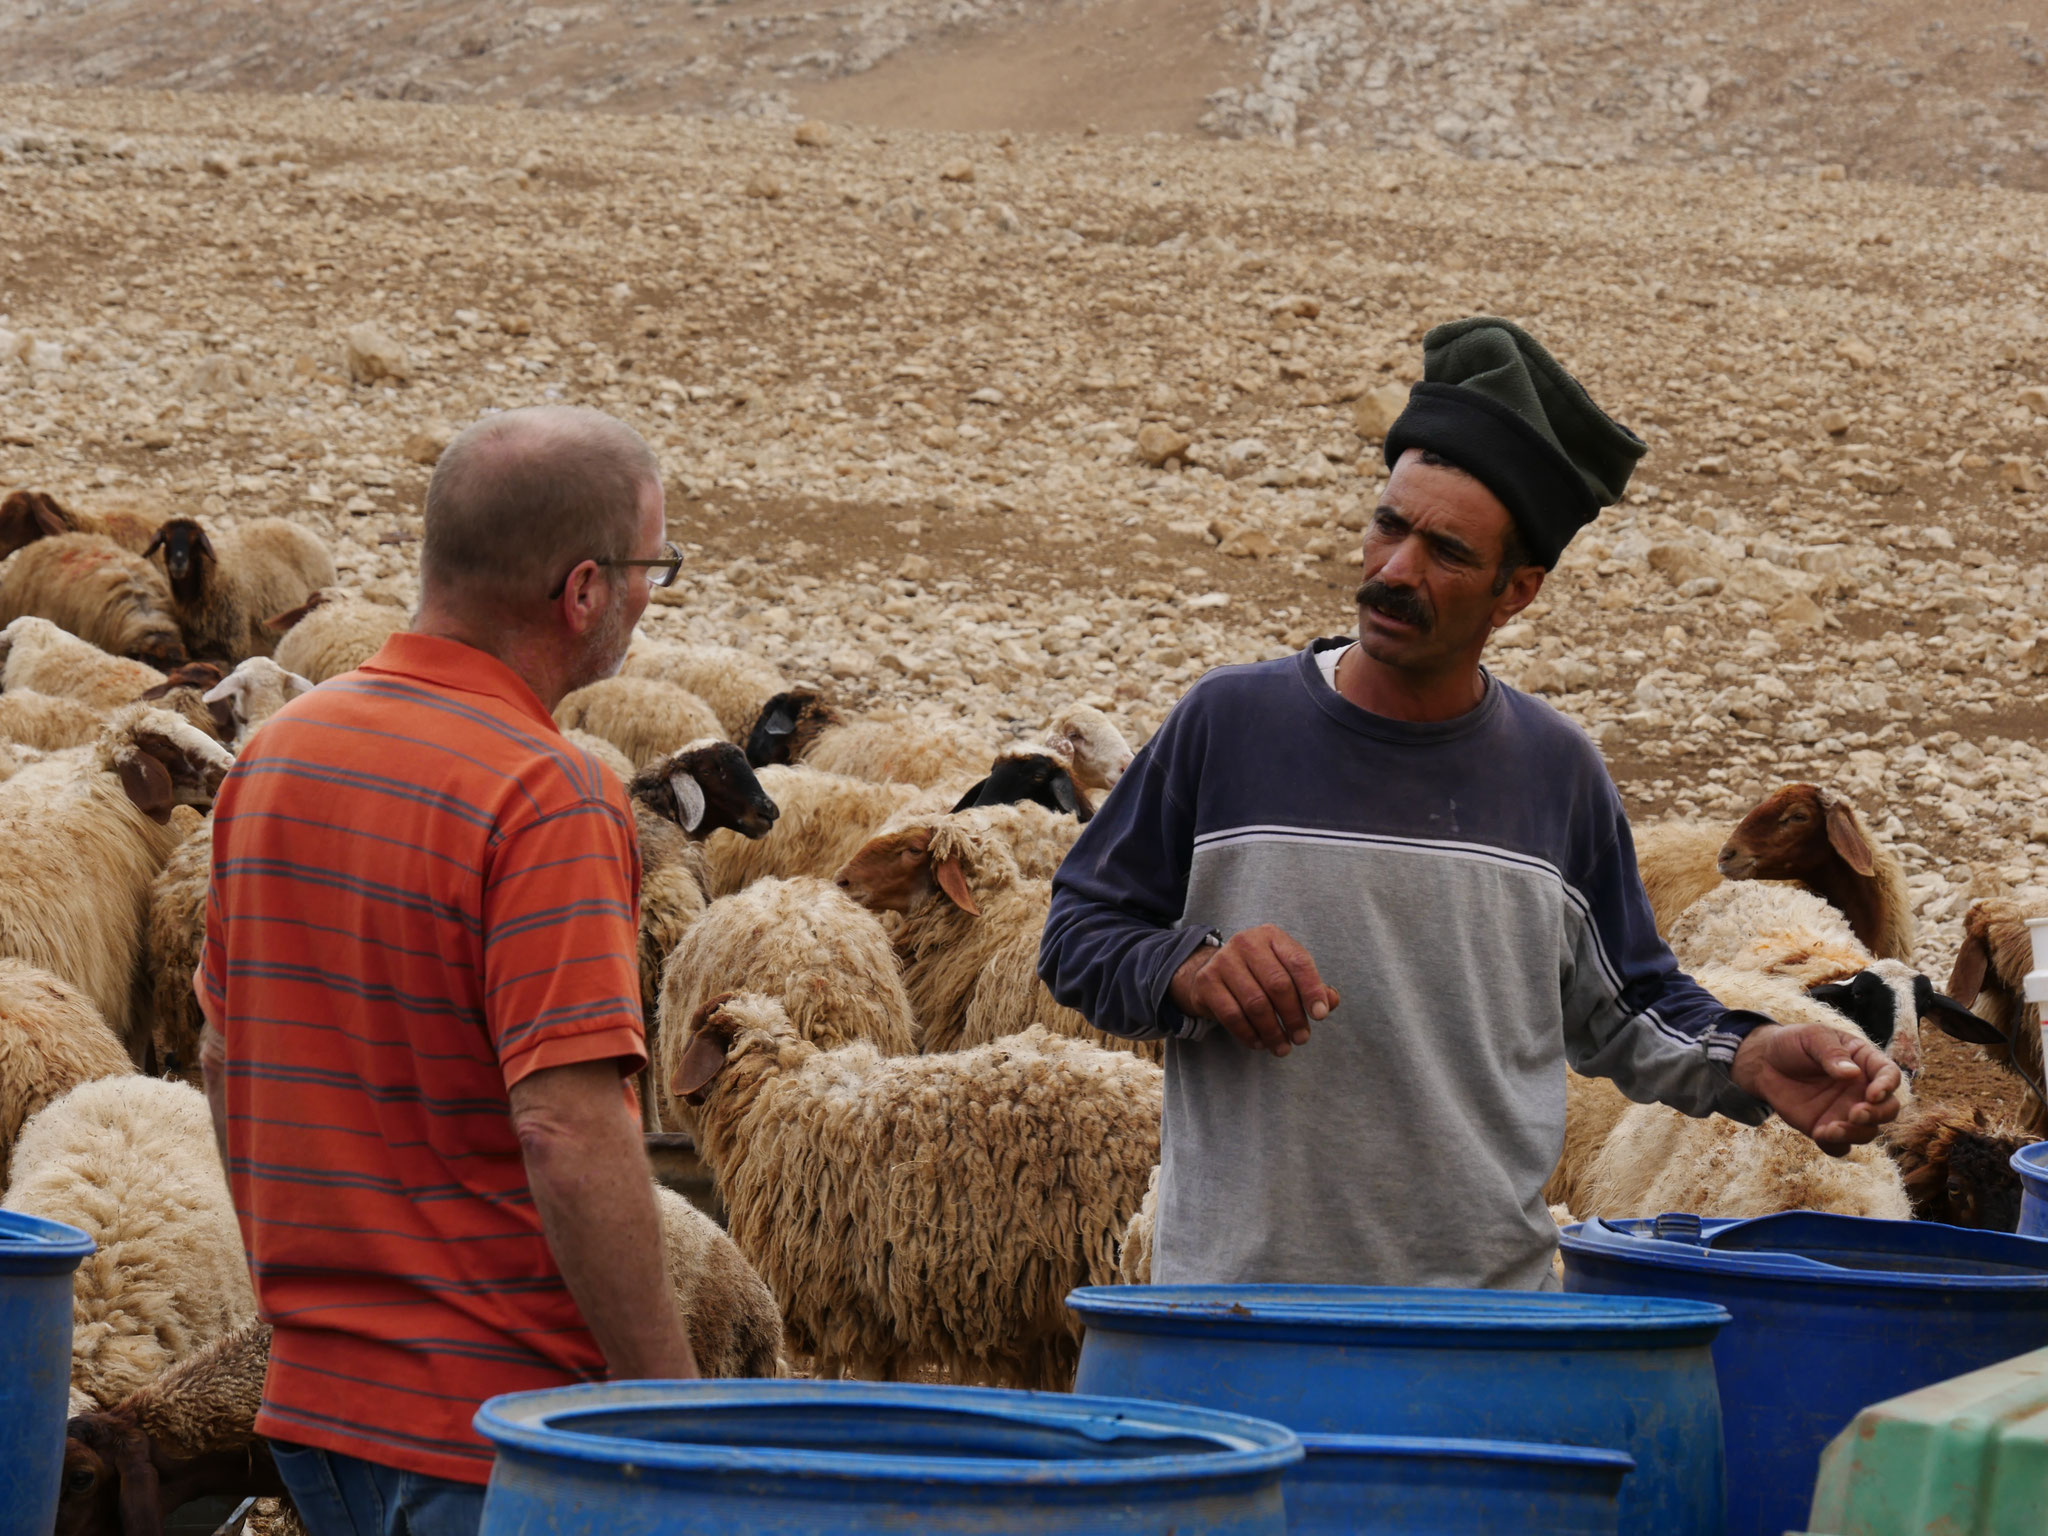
(1398, 1485)
(2031, 1164)
(1619, 1374)
(37, 1258)
(1831, 1313)
(709, 1458)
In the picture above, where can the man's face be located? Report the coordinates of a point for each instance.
(605, 643)
(1432, 555)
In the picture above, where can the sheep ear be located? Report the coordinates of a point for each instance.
(971, 799)
(48, 515)
(296, 685)
(701, 1063)
(1845, 839)
(1973, 960)
(780, 723)
(206, 544)
(141, 1512)
(1063, 792)
(148, 783)
(1958, 1023)
(954, 883)
(154, 544)
(689, 799)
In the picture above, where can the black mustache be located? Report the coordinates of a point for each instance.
(1402, 603)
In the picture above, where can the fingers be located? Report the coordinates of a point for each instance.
(1264, 988)
(1233, 998)
(1317, 998)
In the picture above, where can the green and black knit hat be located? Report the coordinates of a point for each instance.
(1493, 402)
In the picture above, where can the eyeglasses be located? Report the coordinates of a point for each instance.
(660, 573)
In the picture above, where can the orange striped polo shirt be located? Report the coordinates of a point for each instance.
(421, 893)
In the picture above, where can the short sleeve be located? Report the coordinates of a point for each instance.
(209, 980)
(561, 974)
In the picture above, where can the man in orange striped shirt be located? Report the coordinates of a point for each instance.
(420, 979)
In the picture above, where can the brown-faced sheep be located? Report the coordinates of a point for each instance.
(922, 1210)
(1800, 833)
(1088, 743)
(51, 1040)
(223, 588)
(1037, 838)
(1990, 978)
(734, 683)
(98, 591)
(827, 960)
(970, 936)
(36, 656)
(26, 516)
(131, 1161)
(332, 633)
(824, 820)
(1958, 1167)
(84, 848)
(642, 717)
(800, 726)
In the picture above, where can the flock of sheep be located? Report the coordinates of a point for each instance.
(919, 1152)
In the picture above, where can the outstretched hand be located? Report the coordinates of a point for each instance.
(1261, 985)
(1838, 1089)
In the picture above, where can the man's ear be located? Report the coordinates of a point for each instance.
(1524, 583)
(953, 881)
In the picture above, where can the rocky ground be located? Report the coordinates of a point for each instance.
(1886, 89)
(974, 425)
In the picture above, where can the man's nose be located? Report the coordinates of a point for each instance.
(1404, 567)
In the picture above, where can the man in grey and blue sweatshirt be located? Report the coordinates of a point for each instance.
(1381, 839)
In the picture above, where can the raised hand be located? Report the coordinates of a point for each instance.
(1837, 1088)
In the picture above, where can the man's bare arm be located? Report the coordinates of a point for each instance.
(591, 1184)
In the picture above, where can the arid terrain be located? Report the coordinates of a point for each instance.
(973, 423)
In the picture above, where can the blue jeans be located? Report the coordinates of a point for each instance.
(342, 1495)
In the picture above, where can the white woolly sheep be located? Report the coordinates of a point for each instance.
(621, 766)
(1800, 833)
(1134, 1253)
(1593, 1106)
(26, 516)
(1089, 744)
(1658, 1159)
(252, 692)
(1038, 839)
(51, 1040)
(970, 936)
(801, 726)
(827, 961)
(1990, 976)
(46, 721)
(1778, 929)
(131, 1161)
(734, 1325)
(643, 718)
(332, 633)
(224, 588)
(83, 850)
(922, 1210)
(824, 820)
(735, 683)
(37, 656)
(96, 590)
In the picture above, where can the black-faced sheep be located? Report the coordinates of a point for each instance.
(224, 588)
(922, 1210)
(51, 1040)
(800, 726)
(1020, 775)
(98, 591)
(37, 656)
(1990, 977)
(332, 633)
(824, 820)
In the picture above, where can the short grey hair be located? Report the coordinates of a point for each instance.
(522, 496)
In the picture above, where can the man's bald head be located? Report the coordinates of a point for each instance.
(522, 496)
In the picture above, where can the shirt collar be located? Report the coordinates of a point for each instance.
(463, 668)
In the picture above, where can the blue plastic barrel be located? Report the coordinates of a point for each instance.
(1623, 1375)
(1393, 1485)
(711, 1458)
(36, 1261)
(1832, 1313)
(2031, 1164)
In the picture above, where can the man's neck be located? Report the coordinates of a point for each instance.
(1418, 698)
(521, 652)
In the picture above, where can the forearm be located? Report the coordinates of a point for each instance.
(1113, 969)
(587, 1167)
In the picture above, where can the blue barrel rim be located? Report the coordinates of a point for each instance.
(515, 1421)
(1524, 1452)
(36, 1245)
(1309, 1311)
(1768, 1266)
(2031, 1162)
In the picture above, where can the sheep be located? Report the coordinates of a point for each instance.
(1038, 839)
(1134, 1253)
(99, 592)
(84, 848)
(1021, 775)
(1990, 978)
(735, 1327)
(1957, 1167)
(51, 1040)
(1658, 1159)
(183, 693)
(222, 590)
(1777, 929)
(922, 1210)
(621, 766)
(970, 936)
(251, 693)
(46, 721)
(824, 820)
(1593, 1106)
(26, 516)
(800, 726)
(1800, 833)
(132, 1162)
(827, 960)
(174, 938)
(735, 684)
(1090, 746)
(643, 718)
(188, 1434)
(37, 656)
(332, 633)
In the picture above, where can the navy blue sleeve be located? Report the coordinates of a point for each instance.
(1112, 939)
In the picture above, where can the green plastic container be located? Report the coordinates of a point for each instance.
(1964, 1457)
